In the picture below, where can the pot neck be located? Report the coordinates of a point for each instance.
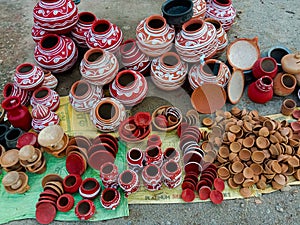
(264, 84)
(11, 103)
(155, 24)
(221, 3)
(51, 43)
(102, 27)
(194, 26)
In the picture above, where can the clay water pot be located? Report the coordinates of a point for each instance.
(110, 198)
(135, 159)
(42, 116)
(199, 9)
(153, 155)
(152, 177)
(89, 188)
(290, 64)
(109, 175)
(11, 89)
(71, 183)
(154, 139)
(261, 91)
(85, 209)
(129, 181)
(171, 173)
(45, 96)
(288, 106)
(171, 153)
(284, 84)
(265, 66)
(65, 203)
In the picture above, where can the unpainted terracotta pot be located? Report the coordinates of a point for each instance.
(284, 84)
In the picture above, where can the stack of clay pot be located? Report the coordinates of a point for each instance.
(32, 159)
(254, 150)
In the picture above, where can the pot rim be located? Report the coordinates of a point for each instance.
(193, 21)
(157, 17)
(89, 14)
(101, 21)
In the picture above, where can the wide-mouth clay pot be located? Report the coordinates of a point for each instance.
(72, 182)
(85, 209)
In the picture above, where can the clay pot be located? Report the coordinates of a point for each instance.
(212, 71)
(129, 181)
(84, 95)
(135, 159)
(153, 155)
(65, 203)
(3, 130)
(11, 89)
(109, 175)
(28, 76)
(58, 16)
(82, 27)
(42, 117)
(99, 67)
(166, 118)
(85, 209)
(288, 106)
(129, 87)
(37, 33)
(152, 177)
(261, 91)
(168, 72)
(196, 39)
(56, 53)
(110, 198)
(45, 96)
(107, 114)
(50, 81)
(265, 66)
(89, 188)
(71, 183)
(199, 9)
(12, 136)
(221, 10)
(154, 139)
(171, 173)
(171, 153)
(284, 84)
(154, 36)
(278, 52)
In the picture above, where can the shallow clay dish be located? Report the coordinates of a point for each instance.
(75, 164)
(100, 157)
(235, 87)
(208, 98)
(45, 213)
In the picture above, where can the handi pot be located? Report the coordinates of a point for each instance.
(284, 84)
(261, 91)
(110, 198)
(265, 66)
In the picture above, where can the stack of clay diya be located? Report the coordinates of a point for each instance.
(32, 159)
(15, 182)
(166, 118)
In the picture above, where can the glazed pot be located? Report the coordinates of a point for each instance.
(154, 155)
(56, 53)
(199, 9)
(129, 87)
(133, 58)
(45, 96)
(12, 136)
(261, 91)
(17, 114)
(71, 183)
(152, 177)
(135, 159)
(28, 76)
(196, 39)
(284, 84)
(50, 81)
(11, 89)
(37, 33)
(154, 36)
(85, 209)
(265, 66)
(65, 203)
(110, 198)
(105, 35)
(168, 72)
(171, 173)
(109, 175)
(82, 27)
(212, 71)
(107, 114)
(221, 10)
(99, 67)
(129, 181)
(84, 95)
(56, 16)
(89, 188)
(43, 117)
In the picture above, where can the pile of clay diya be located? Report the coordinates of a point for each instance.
(135, 128)
(166, 118)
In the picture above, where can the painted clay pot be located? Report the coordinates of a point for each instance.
(37, 33)
(129, 87)
(17, 114)
(65, 203)
(168, 72)
(110, 198)
(221, 10)
(99, 67)
(196, 39)
(152, 177)
(42, 117)
(12, 136)
(105, 35)
(154, 139)
(107, 114)
(221, 35)
(135, 159)
(89, 188)
(56, 53)
(71, 183)
(212, 71)
(154, 36)
(261, 91)
(45, 96)
(284, 84)
(56, 16)
(265, 66)
(84, 95)
(199, 9)
(129, 181)
(133, 58)
(171, 153)
(50, 81)
(82, 27)
(171, 173)
(85, 209)
(109, 175)
(154, 155)
(11, 89)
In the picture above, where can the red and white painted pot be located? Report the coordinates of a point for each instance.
(110, 198)
(152, 177)
(43, 117)
(104, 34)
(135, 159)
(85, 209)
(154, 155)
(56, 16)
(129, 181)
(89, 188)
(50, 80)
(37, 33)
(56, 53)
(129, 87)
(45, 96)
(154, 36)
(261, 91)
(109, 175)
(99, 67)
(11, 89)
(197, 39)
(199, 9)
(171, 172)
(171, 153)
(83, 95)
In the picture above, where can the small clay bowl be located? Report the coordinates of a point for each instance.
(142, 119)
(245, 192)
(258, 156)
(245, 154)
(164, 109)
(238, 178)
(223, 173)
(74, 148)
(262, 142)
(71, 183)
(248, 142)
(192, 176)
(22, 188)
(29, 138)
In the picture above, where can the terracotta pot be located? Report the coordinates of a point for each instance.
(168, 72)
(288, 106)
(109, 175)
(17, 114)
(37, 33)
(199, 9)
(89, 188)
(83, 95)
(85, 209)
(99, 67)
(135, 159)
(56, 53)
(133, 58)
(154, 155)
(154, 36)
(129, 181)
(110, 198)
(65, 203)
(129, 87)
(42, 117)
(152, 177)
(171, 173)
(265, 66)
(171, 153)
(105, 35)
(50, 80)
(196, 39)
(56, 16)
(284, 84)
(45, 96)
(11, 89)
(221, 10)
(261, 91)
(71, 183)
(82, 27)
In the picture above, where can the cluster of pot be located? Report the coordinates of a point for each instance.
(252, 150)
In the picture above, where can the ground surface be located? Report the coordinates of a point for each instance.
(273, 22)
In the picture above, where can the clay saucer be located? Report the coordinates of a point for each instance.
(204, 192)
(80, 141)
(100, 157)
(235, 86)
(193, 166)
(192, 176)
(98, 138)
(75, 164)
(208, 98)
(10, 158)
(216, 197)
(219, 184)
(108, 141)
(188, 195)
(51, 177)
(200, 184)
(188, 184)
(45, 213)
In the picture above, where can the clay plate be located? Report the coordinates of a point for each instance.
(235, 87)
(188, 195)
(45, 213)
(100, 157)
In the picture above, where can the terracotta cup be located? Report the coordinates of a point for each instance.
(288, 106)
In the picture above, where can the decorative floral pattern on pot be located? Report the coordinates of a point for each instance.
(56, 53)
(37, 33)
(99, 67)
(42, 117)
(154, 36)
(45, 96)
(50, 80)
(197, 39)
(199, 9)
(261, 91)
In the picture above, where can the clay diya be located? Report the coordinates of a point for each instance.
(15, 182)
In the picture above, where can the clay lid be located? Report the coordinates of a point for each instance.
(258, 156)
(204, 192)
(290, 63)
(245, 192)
(248, 173)
(45, 213)
(10, 158)
(235, 87)
(26, 152)
(188, 195)
(232, 184)
(216, 197)
(50, 135)
(207, 121)
(10, 178)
